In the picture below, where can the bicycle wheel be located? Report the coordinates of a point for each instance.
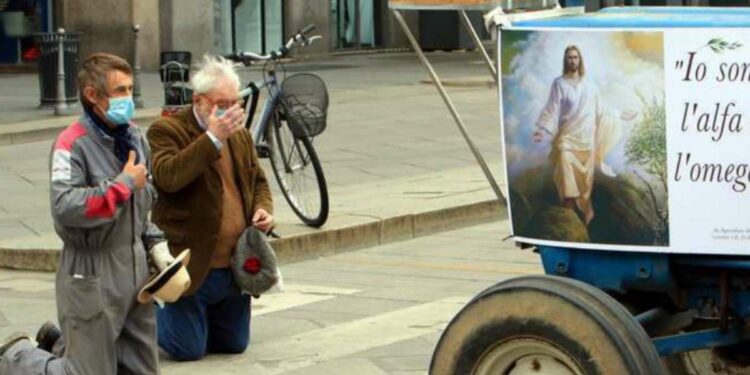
(298, 172)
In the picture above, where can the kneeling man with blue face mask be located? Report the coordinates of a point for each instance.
(211, 189)
(100, 197)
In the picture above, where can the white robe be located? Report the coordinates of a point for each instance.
(583, 134)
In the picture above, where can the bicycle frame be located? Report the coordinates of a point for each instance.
(258, 129)
(289, 155)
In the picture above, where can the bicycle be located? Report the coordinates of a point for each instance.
(293, 114)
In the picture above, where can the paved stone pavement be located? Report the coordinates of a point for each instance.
(386, 128)
(373, 311)
(391, 147)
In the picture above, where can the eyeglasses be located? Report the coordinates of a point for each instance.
(222, 104)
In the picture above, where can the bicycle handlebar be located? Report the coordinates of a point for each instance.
(299, 38)
(307, 28)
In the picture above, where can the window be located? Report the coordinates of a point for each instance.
(258, 25)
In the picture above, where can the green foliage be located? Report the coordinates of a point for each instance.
(647, 147)
(647, 144)
(512, 42)
(719, 45)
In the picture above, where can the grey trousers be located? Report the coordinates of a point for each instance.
(105, 330)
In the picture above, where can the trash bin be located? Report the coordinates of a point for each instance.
(49, 43)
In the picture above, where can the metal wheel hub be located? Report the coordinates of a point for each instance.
(526, 356)
(708, 362)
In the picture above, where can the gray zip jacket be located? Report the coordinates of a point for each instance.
(101, 218)
(91, 196)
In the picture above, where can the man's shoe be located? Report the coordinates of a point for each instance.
(12, 340)
(47, 336)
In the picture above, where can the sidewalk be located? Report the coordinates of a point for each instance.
(395, 162)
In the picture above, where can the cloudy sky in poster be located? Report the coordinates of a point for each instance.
(621, 64)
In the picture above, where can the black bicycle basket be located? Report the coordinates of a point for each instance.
(304, 104)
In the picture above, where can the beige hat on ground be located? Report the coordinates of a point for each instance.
(173, 278)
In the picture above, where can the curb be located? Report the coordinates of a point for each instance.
(373, 51)
(459, 82)
(23, 68)
(325, 242)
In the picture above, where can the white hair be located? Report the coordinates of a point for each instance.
(212, 71)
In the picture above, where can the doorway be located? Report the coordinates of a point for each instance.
(356, 23)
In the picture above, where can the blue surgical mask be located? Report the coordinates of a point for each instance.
(121, 110)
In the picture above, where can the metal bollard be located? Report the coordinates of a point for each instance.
(61, 106)
(136, 69)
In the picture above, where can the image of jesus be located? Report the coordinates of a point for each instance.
(582, 131)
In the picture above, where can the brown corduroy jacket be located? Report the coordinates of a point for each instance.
(189, 206)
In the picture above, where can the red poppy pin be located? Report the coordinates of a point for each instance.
(252, 265)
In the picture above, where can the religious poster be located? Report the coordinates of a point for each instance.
(627, 140)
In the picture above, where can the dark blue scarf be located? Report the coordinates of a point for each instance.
(120, 134)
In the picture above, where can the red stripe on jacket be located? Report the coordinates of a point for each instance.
(106, 205)
(68, 136)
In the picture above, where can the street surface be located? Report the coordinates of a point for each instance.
(373, 311)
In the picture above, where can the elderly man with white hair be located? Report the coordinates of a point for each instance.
(211, 188)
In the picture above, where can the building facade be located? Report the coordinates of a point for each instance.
(197, 26)
(223, 26)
